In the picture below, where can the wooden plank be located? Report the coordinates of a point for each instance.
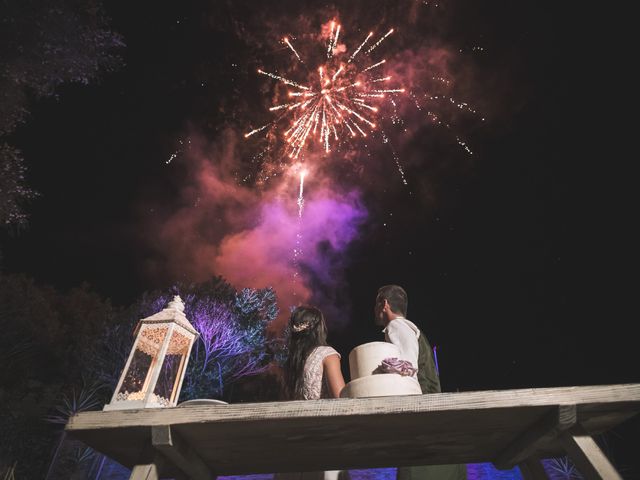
(532, 469)
(448, 428)
(604, 394)
(179, 453)
(558, 420)
(587, 456)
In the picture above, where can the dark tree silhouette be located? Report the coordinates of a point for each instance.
(43, 45)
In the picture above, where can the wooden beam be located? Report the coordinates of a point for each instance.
(145, 472)
(587, 456)
(167, 442)
(532, 469)
(560, 419)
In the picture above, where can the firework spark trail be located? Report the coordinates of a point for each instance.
(286, 105)
(283, 80)
(286, 40)
(356, 84)
(386, 140)
(303, 173)
(335, 40)
(356, 114)
(302, 94)
(297, 249)
(259, 129)
(333, 24)
(464, 145)
(362, 104)
(360, 47)
(374, 66)
(395, 119)
(333, 79)
(458, 104)
(435, 118)
(353, 134)
(359, 129)
(375, 45)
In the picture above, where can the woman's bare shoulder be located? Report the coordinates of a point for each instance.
(328, 352)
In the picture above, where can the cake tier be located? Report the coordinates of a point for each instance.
(365, 358)
(381, 385)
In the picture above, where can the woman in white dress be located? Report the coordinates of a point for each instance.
(312, 372)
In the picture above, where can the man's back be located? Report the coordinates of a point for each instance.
(414, 347)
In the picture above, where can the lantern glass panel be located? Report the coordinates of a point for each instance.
(136, 381)
(172, 367)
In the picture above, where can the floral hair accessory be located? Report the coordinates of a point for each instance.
(301, 327)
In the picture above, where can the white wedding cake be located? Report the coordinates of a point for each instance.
(366, 358)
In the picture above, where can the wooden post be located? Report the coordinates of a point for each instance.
(180, 454)
(587, 456)
(145, 472)
(149, 466)
(532, 469)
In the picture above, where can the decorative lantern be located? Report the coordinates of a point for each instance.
(153, 375)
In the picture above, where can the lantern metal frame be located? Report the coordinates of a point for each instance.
(164, 333)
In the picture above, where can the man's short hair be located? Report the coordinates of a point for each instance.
(396, 296)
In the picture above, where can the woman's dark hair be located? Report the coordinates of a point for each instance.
(307, 330)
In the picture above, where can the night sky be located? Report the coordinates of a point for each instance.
(512, 257)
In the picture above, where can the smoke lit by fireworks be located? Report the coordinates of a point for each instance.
(325, 99)
(337, 101)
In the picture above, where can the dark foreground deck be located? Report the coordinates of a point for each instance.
(508, 428)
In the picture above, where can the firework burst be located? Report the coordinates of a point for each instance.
(339, 99)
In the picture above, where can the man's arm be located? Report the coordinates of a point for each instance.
(403, 337)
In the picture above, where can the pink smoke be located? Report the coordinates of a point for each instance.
(248, 235)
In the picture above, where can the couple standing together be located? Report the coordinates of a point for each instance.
(313, 368)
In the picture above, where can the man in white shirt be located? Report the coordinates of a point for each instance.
(390, 311)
